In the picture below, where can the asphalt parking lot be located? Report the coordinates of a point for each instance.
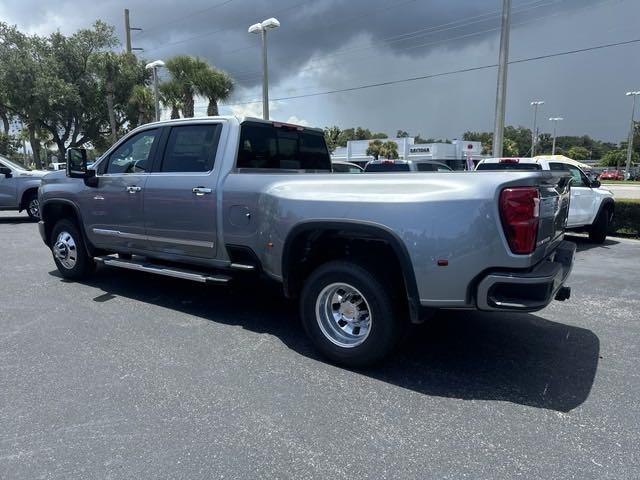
(128, 375)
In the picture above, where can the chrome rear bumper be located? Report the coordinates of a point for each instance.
(530, 290)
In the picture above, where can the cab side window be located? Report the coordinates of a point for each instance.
(134, 155)
(578, 179)
(191, 148)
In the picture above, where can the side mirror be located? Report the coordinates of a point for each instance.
(595, 184)
(6, 171)
(77, 163)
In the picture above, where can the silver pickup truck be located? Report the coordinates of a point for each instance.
(19, 187)
(211, 198)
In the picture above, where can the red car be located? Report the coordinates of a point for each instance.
(612, 175)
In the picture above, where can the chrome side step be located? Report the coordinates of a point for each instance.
(163, 270)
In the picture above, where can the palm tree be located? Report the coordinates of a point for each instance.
(215, 85)
(171, 97)
(141, 101)
(185, 71)
(108, 67)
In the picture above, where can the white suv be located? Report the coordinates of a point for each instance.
(591, 206)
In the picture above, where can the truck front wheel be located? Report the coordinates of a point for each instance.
(69, 251)
(349, 315)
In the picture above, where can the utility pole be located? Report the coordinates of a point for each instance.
(534, 134)
(501, 92)
(127, 31)
(555, 121)
(631, 131)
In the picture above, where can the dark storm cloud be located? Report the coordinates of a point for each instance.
(217, 29)
(359, 42)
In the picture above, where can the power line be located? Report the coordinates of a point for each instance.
(441, 74)
(158, 25)
(277, 12)
(213, 32)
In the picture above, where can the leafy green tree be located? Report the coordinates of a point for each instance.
(389, 150)
(141, 105)
(186, 70)
(486, 138)
(8, 144)
(332, 137)
(617, 158)
(578, 153)
(379, 135)
(402, 134)
(374, 148)
(71, 87)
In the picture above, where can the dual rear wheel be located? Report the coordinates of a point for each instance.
(350, 316)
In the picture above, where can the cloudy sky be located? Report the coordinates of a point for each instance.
(328, 45)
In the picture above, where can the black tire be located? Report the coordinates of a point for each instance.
(599, 229)
(67, 240)
(386, 322)
(32, 206)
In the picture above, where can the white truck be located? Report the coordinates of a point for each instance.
(591, 207)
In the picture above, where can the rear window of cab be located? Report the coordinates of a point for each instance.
(283, 147)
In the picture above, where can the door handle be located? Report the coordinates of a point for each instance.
(133, 189)
(201, 190)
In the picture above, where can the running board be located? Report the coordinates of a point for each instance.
(163, 270)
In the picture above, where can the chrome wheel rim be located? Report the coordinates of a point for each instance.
(34, 208)
(65, 250)
(343, 315)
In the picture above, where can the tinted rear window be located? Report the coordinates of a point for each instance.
(509, 166)
(387, 167)
(286, 148)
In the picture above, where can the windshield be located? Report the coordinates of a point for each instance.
(509, 166)
(16, 166)
(387, 167)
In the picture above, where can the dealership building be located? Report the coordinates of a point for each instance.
(453, 154)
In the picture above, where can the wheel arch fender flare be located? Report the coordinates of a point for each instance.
(608, 203)
(368, 228)
(47, 204)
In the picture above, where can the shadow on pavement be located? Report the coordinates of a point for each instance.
(519, 358)
(17, 220)
(584, 243)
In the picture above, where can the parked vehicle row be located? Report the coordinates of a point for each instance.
(207, 199)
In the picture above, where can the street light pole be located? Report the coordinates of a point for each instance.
(261, 28)
(265, 77)
(501, 92)
(156, 97)
(631, 131)
(555, 121)
(534, 134)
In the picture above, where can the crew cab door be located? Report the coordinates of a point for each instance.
(113, 209)
(583, 198)
(8, 189)
(180, 205)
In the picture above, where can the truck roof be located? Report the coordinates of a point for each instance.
(238, 118)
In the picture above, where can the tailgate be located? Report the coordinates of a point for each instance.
(555, 195)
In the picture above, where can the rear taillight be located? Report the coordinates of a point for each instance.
(509, 160)
(520, 212)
